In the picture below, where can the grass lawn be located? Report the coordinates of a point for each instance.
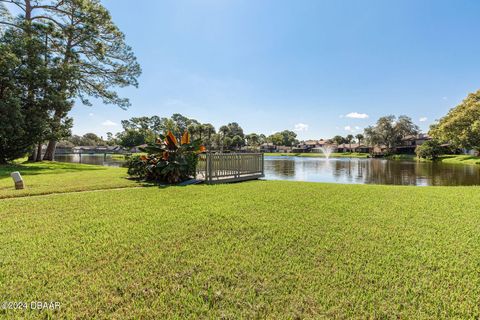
(253, 250)
(321, 155)
(460, 159)
(45, 178)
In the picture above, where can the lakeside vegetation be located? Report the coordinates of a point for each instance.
(318, 155)
(237, 250)
(447, 158)
(460, 159)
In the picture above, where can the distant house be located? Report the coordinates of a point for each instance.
(136, 149)
(97, 149)
(284, 149)
(63, 150)
(410, 143)
(470, 152)
(354, 147)
(268, 147)
(305, 146)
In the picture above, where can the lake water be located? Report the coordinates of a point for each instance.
(343, 170)
(97, 159)
(370, 171)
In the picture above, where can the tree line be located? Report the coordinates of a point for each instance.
(143, 130)
(53, 53)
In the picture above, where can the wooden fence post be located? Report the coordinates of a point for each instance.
(263, 164)
(208, 170)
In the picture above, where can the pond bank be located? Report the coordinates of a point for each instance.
(451, 159)
(317, 155)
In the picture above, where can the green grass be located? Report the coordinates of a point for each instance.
(53, 177)
(460, 159)
(319, 155)
(402, 157)
(119, 156)
(450, 159)
(248, 250)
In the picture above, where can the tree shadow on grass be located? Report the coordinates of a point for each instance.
(163, 185)
(35, 168)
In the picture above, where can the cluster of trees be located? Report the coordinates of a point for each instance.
(88, 139)
(144, 130)
(53, 53)
(461, 126)
(390, 131)
(359, 138)
(285, 138)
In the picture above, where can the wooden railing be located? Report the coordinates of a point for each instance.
(230, 167)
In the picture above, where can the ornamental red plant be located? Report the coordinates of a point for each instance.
(167, 160)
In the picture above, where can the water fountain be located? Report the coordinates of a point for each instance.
(327, 150)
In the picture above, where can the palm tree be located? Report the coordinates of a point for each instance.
(209, 130)
(359, 138)
(224, 130)
(193, 130)
(338, 140)
(349, 139)
(252, 139)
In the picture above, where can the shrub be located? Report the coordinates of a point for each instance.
(430, 150)
(167, 160)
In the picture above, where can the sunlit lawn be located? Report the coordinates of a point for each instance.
(460, 159)
(45, 178)
(251, 250)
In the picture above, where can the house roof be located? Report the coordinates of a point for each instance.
(354, 145)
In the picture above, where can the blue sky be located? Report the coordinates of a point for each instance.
(321, 67)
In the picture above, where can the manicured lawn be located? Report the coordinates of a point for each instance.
(253, 250)
(54, 177)
(321, 155)
(460, 159)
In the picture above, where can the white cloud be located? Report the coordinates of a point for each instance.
(90, 114)
(301, 127)
(423, 119)
(352, 129)
(356, 115)
(109, 123)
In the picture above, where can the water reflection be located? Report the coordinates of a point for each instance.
(370, 171)
(362, 171)
(97, 159)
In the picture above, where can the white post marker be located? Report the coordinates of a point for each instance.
(17, 178)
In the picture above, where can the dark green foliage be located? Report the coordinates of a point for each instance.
(338, 139)
(24, 93)
(461, 126)
(141, 130)
(88, 139)
(167, 160)
(390, 131)
(429, 150)
(84, 53)
(132, 138)
(283, 138)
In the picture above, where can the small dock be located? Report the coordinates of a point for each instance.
(215, 168)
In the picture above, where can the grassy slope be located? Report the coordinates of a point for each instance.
(321, 155)
(44, 178)
(460, 159)
(259, 249)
